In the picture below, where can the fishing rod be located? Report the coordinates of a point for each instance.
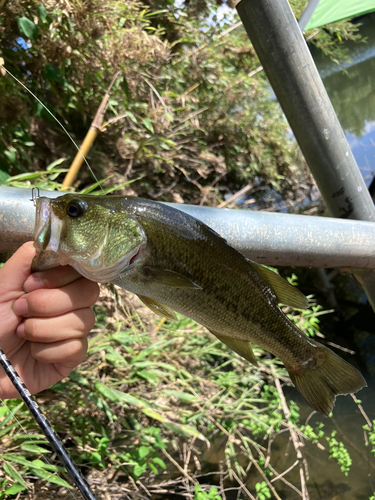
(47, 429)
(40, 418)
(30, 403)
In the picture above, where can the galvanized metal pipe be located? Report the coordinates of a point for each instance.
(283, 52)
(290, 68)
(268, 238)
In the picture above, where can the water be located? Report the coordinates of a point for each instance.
(326, 481)
(351, 88)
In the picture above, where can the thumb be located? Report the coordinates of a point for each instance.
(17, 269)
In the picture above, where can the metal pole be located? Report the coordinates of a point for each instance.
(283, 52)
(267, 238)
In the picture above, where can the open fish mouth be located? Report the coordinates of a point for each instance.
(47, 227)
(47, 238)
(49, 234)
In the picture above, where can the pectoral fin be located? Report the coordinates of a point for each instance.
(157, 308)
(169, 278)
(241, 347)
(285, 292)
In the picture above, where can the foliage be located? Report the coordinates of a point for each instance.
(188, 121)
(145, 394)
(187, 118)
(18, 455)
(338, 451)
(371, 435)
(262, 491)
(200, 494)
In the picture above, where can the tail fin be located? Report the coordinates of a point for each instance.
(331, 376)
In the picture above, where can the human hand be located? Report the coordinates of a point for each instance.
(44, 321)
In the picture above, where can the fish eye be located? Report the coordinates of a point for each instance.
(76, 208)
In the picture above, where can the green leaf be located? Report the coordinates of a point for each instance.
(53, 74)
(27, 176)
(153, 468)
(184, 430)
(77, 377)
(42, 13)
(149, 412)
(52, 478)
(131, 116)
(3, 176)
(27, 28)
(155, 13)
(55, 164)
(184, 397)
(146, 374)
(11, 155)
(39, 464)
(139, 469)
(125, 87)
(158, 461)
(17, 459)
(147, 123)
(143, 451)
(14, 474)
(117, 396)
(14, 489)
(33, 448)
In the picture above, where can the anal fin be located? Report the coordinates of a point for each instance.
(241, 347)
(158, 308)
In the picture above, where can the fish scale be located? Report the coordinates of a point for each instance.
(174, 262)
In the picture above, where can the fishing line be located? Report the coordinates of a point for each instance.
(33, 407)
(53, 116)
(48, 431)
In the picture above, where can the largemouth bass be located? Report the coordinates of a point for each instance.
(174, 262)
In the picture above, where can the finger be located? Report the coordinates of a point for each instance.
(53, 278)
(47, 303)
(72, 325)
(17, 269)
(67, 354)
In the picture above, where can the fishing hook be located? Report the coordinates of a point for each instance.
(35, 194)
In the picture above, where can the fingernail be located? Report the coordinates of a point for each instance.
(33, 282)
(20, 307)
(21, 331)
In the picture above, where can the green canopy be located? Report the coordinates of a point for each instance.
(330, 11)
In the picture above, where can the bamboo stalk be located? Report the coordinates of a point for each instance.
(95, 128)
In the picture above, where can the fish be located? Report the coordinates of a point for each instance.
(175, 263)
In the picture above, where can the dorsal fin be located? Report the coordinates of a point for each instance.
(285, 292)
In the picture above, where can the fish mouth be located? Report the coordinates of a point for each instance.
(47, 238)
(93, 263)
(47, 227)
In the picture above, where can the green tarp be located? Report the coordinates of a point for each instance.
(330, 11)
